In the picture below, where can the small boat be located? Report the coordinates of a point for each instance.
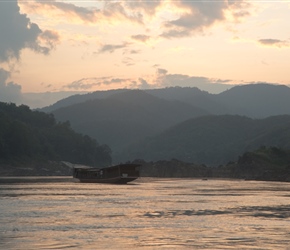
(118, 174)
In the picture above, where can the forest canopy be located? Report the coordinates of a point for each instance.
(33, 135)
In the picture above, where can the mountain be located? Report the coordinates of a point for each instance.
(256, 100)
(192, 96)
(252, 100)
(79, 98)
(121, 118)
(212, 140)
(41, 100)
(126, 117)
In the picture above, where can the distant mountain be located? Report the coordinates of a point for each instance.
(192, 96)
(252, 100)
(123, 117)
(256, 100)
(79, 98)
(212, 140)
(41, 100)
(126, 117)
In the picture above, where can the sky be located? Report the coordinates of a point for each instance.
(52, 46)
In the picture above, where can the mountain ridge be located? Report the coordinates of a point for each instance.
(122, 118)
(129, 116)
(253, 100)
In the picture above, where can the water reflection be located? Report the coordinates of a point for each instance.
(174, 213)
(282, 211)
(153, 214)
(256, 211)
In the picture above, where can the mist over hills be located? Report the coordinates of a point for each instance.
(213, 140)
(183, 123)
(126, 117)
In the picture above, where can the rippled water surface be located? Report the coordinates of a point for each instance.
(146, 214)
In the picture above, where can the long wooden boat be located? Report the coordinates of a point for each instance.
(118, 174)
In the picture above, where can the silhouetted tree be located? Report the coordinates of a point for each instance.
(27, 134)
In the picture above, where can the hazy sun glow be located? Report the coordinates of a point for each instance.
(75, 45)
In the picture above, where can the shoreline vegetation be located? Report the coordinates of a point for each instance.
(265, 164)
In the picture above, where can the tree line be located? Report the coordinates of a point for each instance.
(33, 135)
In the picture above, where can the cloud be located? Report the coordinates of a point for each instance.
(68, 10)
(161, 79)
(274, 43)
(84, 83)
(128, 61)
(109, 12)
(133, 51)
(199, 15)
(208, 84)
(173, 19)
(140, 83)
(239, 9)
(114, 80)
(148, 7)
(18, 32)
(112, 47)
(117, 10)
(144, 84)
(9, 91)
(161, 72)
(108, 83)
(91, 82)
(50, 38)
(141, 38)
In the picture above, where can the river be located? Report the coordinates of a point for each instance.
(40, 213)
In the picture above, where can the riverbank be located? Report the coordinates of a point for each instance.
(265, 164)
(35, 179)
(35, 168)
(178, 169)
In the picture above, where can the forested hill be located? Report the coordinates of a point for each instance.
(126, 117)
(29, 136)
(213, 140)
(263, 164)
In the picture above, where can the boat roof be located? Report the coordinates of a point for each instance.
(97, 169)
(87, 168)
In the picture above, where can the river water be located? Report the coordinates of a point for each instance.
(146, 214)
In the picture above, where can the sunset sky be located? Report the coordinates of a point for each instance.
(49, 46)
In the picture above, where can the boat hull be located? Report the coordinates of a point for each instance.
(119, 174)
(116, 180)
